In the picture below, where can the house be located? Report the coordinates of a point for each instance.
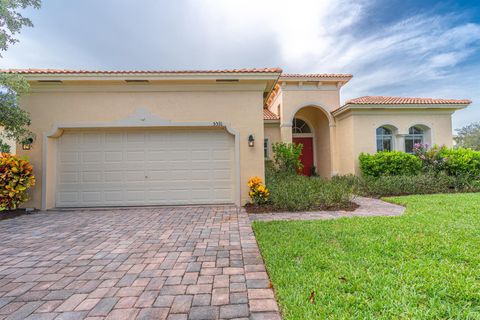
(129, 138)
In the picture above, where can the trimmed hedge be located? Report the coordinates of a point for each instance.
(293, 192)
(424, 183)
(390, 163)
(461, 162)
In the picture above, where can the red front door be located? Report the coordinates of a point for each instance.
(307, 154)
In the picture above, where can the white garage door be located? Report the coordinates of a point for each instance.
(144, 167)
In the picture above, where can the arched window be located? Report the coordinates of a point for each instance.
(416, 135)
(384, 139)
(300, 126)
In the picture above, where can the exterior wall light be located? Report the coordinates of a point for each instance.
(251, 141)
(27, 144)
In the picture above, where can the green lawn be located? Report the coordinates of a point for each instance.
(422, 265)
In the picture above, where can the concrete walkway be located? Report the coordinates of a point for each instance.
(368, 208)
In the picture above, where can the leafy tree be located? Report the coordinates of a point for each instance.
(13, 120)
(287, 157)
(11, 21)
(469, 136)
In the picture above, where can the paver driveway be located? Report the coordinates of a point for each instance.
(147, 263)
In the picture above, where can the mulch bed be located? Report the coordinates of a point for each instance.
(4, 215)
(269, 208)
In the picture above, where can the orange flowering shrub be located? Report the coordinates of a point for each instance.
(258, 191)
(16, 177)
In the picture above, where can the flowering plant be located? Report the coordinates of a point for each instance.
(259, 193)
(16, 177)
(432, 158)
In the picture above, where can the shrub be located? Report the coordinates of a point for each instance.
(461, 162)
(287, 157)
(258, 191)
(425, 183)
(431, 158)
(16, 177)
(389, 163)
(292, 192)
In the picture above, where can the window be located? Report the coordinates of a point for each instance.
(266, 154)
(384, 139)
(300, 126)
(415, 136)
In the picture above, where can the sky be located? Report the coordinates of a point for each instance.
(411, 48)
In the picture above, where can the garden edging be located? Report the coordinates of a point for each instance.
(368, 207)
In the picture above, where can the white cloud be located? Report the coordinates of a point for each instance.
(421, 55)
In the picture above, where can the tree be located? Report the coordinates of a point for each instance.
(13, 119)
(469, 136)
(11, 21)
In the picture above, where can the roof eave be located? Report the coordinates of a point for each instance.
(267, 76)
(456, 106)
(271, 120)
(326, 79)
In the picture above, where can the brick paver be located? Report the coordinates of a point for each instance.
(143, 263)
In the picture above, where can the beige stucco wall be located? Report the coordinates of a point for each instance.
(344, 158)
(240, 109)
(328, 98)
(272, 132)
(356, 131)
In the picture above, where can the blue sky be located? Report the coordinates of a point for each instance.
(406, 48)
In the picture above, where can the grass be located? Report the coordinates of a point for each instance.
(422, 265)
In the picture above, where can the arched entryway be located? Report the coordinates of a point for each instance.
(311, 128)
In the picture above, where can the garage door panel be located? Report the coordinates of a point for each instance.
(201, 165)
(69, 156)
(144, 167)
(135, 195)
(225, 175)
(223, 194)
(135, 156)
(180, 195)
(221, 154)
(135, 137)
(113, 156)
(220, 165)
(199, 155)
(68, 197)
(92, 196)
(178, 154)
(68, 177)
(92, 176)
(200, 194)
(112, 176)
(158, 175)
(91, 138)
(157, 155)
(95, 157)
(113, 196)
(200, 175)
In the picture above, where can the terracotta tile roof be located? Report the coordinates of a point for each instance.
(269, 115)
(64, 71)
(316, 75)
(402, 100)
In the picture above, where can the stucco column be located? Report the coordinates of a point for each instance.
(400, 142)
(286, 132)
(333, 150)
